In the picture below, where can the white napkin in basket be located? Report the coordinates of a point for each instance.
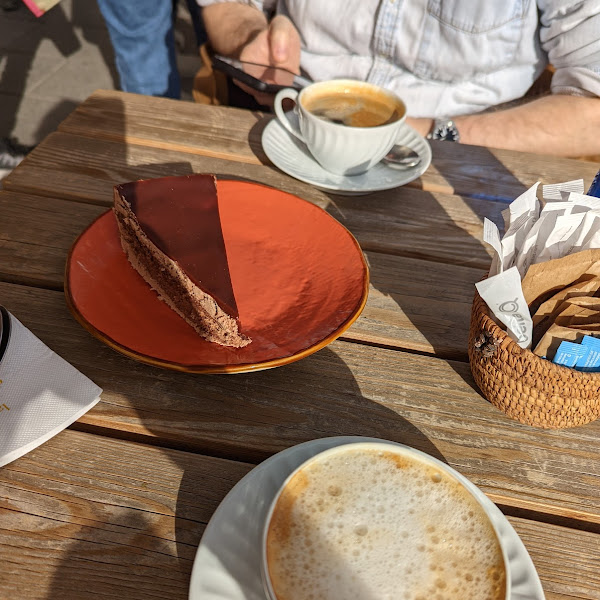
(40, 393)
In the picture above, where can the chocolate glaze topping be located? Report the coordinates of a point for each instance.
(180, 215)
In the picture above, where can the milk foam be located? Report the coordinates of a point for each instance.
(374, 525)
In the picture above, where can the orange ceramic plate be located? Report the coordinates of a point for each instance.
(299, 278)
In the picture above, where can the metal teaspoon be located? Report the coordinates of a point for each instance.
(401, 157)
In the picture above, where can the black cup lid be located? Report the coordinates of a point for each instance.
(4, 330)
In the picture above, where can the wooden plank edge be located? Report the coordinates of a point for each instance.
(421, 349)
(163, 145)
(513, 507)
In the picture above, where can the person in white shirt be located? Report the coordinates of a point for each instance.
(449, 60)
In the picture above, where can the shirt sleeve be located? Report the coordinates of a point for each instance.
(570, 35)
(263, 5)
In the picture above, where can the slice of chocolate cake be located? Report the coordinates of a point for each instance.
(171, 233)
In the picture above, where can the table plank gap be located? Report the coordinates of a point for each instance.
(441, 228)
(549, 518)
(344, 389)
(474, 171)
(444, 353)
(420, 305)
(133, 528)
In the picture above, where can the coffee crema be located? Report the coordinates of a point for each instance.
(369, 524)
(354, 107)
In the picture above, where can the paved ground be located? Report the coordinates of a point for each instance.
(49, 65)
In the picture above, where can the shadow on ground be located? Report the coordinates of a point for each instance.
(52, 32)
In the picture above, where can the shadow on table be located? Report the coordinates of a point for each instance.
(326, 401)
(422, 253)
(422, 261)
(265, 412)
(268, 411)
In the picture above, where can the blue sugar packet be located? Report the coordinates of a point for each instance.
(590, 340)
(591, 362)
(568, 354)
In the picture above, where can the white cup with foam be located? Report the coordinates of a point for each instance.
(372, 521)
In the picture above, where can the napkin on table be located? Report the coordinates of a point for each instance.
(40, 393)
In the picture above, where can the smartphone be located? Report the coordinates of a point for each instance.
(262, 78)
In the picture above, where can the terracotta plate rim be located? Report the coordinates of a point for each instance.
(223, 368)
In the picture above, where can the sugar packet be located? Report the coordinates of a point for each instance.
(541, 282)
(554, 191)
(580, 289)
(568, 354)
(591, 360)
(504, 296)
(491, 236)
(522, 216)
(535, 241)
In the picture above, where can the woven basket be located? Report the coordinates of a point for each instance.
(528, 388)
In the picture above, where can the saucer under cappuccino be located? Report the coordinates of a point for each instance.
(368, 522)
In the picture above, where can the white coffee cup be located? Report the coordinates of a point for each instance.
(373, 520)
(360, 122)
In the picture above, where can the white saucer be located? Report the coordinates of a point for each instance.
(227, 564)
(293, 157)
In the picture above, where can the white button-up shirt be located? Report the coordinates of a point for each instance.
(449, 57)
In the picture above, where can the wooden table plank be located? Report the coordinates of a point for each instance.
(402, 221)
(88, 517)
(412, 304)
(218, 131)
(85, 516)
(36, 234)
(235, 134)
(417, 305)
(579, 575)
(345, 389)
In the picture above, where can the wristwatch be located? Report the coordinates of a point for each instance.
(445, 130)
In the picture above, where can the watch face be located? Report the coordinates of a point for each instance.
(448, 132)
(445, 131)
(452, 134)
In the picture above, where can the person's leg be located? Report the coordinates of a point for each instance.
(197, 22)
(141, 33)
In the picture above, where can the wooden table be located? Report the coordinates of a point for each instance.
(115, 506)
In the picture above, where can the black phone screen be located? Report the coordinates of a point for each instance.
(263, 78)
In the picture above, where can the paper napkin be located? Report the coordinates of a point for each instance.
(40, 393)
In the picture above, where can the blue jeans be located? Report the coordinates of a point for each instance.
(141, 32)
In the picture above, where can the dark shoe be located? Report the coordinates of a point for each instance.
(12, 153)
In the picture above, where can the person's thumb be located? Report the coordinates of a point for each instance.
(282, 35)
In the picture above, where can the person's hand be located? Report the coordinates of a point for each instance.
(277, 46)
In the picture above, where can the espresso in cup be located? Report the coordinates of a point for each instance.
(355, 107)
(370, 523)
(348, 126)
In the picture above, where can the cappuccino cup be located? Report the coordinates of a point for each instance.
(348, 126)
(375, 521)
